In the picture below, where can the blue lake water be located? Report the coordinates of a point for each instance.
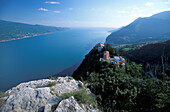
(43, 56)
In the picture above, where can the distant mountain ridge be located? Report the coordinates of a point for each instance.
(154, 28)
(13, 30)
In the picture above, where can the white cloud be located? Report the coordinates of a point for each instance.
(52, 2)
(43, 9)
(123, 12)
(70, 8)
(149, 4)
(57, 11)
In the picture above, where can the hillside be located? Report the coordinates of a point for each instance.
(154, 28)
(13, 30)
(156, 55)
(119, 89)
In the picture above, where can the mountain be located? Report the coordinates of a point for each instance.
(13, 30)
(154, 57)
(154, 28)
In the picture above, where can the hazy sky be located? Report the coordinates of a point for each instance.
(80, 13)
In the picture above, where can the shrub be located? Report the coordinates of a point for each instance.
(2, 94)
(2, 102)
(52, 78)
(81, 96)
(51, 84)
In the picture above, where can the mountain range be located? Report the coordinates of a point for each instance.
(153, 28)
(14, 30)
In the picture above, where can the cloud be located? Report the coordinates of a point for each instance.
(43, 9)
(52, 2)
(70, 8)
(149, 4)
(123, 12)
(57, 11)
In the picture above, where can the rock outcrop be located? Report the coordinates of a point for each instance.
(69, 105)
(38, 96)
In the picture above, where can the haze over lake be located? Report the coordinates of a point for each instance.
(45, 55)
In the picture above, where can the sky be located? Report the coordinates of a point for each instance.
(80, 13)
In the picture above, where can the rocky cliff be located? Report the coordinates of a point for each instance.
(46, 95)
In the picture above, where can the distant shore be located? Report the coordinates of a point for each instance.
(29, 36)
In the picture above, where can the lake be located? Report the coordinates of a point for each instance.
(46, 55)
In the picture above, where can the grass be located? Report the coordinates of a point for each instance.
(49, 85)
(82, 97)
(69, 77)
(2, 94)
(52, 78)
(2, 101)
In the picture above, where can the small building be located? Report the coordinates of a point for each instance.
(99, 46)
(117, 60)
(106, 55)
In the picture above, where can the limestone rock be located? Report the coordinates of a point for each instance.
(29, 100)
(30, 84)
(66, 85)
(69, 105)
(36, 96)
(47, 108)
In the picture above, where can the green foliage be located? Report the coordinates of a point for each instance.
(122, 92)
(82, 96)
(126, 89)
(157, 56)
(2, 94)
(49, 85)
(52, 78)
(2, 101)
(52, 84)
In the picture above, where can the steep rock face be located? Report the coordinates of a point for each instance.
(38, 96)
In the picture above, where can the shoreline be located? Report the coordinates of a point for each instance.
(28, 36)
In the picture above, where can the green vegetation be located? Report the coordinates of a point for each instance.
(82, 97)
(154, 57)
(49, 85)
(126, 89)
(52, 84)
(2, 94)
(2, 101)
(13, 30)
(52, 78)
